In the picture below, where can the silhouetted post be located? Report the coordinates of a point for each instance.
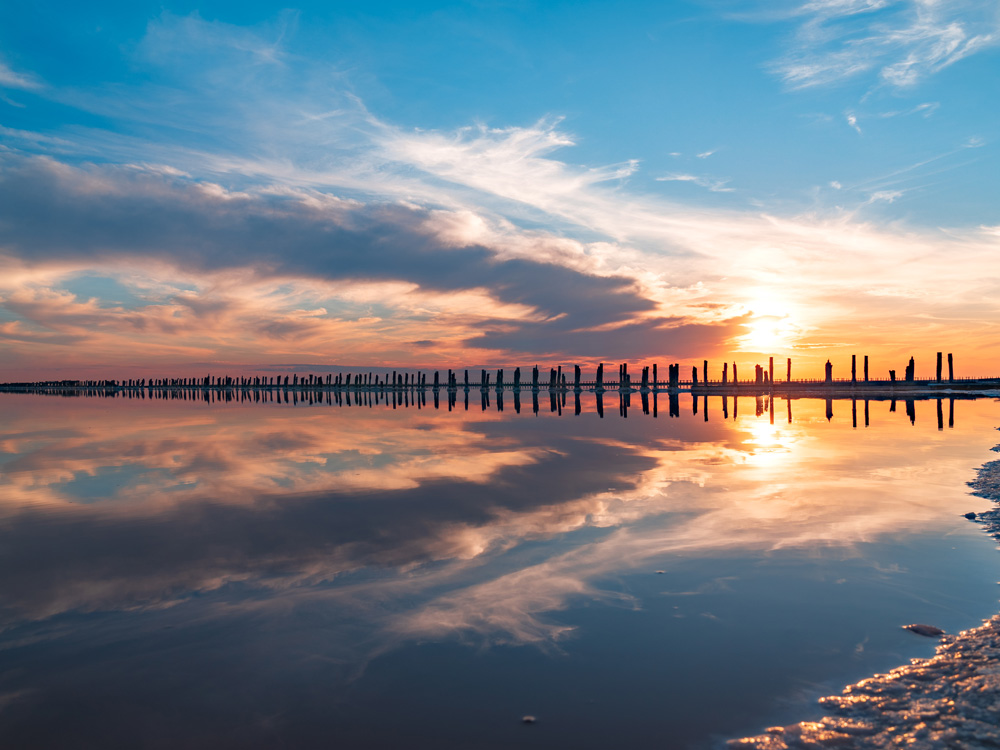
(552, 378)
(517, 383)
(576, 377)
(829, 373)
(675, 376)
(910, 369)
(559, 378)
(534, 380)
(951, 368)
(854, 370)
(866, 371)
(694, 376)
(437, 383)
(725, 372)
(938, 378)
(645, 377)
(656, 378)
(788, 372)
(770, 370)
(736, 380)
(467, 385)
(892, 376)
(704, 371)
(600, 380)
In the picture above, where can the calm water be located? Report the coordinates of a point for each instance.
(246, 575)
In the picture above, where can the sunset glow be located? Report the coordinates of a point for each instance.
(195, 190)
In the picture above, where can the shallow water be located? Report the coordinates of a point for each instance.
(241, 574)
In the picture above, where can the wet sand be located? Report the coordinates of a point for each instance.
(951, 700)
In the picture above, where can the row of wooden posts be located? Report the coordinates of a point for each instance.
(557, 379)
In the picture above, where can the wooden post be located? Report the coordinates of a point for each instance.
(938, 378)
(517, 382)
(788, 371)
(829, 372)
(534, 377)
(910, 370)
(694, 378)
(704, 373)
(951, 368)
(892, 376)
(437, 382)
(725, 372)
(866, 371)
(854, 369)
(576, 376)
(600, 379)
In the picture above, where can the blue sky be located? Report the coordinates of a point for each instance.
(712, 176)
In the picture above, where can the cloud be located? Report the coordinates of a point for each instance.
(313, 203)
(852, 121)
(716, 186)
(12, 79)
(901, 41)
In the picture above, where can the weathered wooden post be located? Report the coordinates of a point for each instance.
(645, 377)
(517, 382)
(559, 377)
(600, 379)
(829, 372)
(854, 370)
(725, 373)
(694, 378)
(770, 369)
(892, 376)
(704, 372)
(940, 414)
(576, 378)
(552, 378)
(758, 374)
(499, 379)
(910, 370)
(736, 380)
(534, 378)
(656, 377)
(866, 371)
(437, 383)
(951, 368)
(938, 378)
(675, 375)
(788, 371)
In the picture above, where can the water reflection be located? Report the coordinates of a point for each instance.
(404, 522)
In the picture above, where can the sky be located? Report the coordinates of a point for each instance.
(194, 187)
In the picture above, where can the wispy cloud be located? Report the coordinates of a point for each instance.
(900, 41)
(715, 185)
(12, 79)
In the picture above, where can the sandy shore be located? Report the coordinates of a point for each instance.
(951, 700)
